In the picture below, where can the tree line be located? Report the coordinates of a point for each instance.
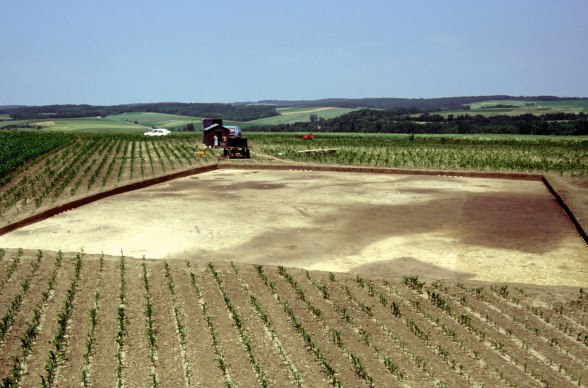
(235, 112)
(422, 104)
(405, 121)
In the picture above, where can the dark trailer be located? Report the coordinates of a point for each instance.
(215, 134)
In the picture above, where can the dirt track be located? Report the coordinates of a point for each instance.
(442, 227)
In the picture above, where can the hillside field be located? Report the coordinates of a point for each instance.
(85, 124)
(516, 107)
(145, 120)
(159, 120)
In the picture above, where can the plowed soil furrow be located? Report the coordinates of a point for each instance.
(545, 357)
(565, 313)
(205, 369)
(387, 331)
(33, 178)
(4, 265)
(276, 373)
(491, 365)
(169, 366)
(73, 363)
(349, 330)
(104, 364)
(381, 325)
(156, 160)
(133, 167)
(504, 345)
(336, 357)
(116, 160)
(13, 275)
(310, 370)
(550, 343)
(138, 365)
(548, 332)
(123, 171)
(496, 361)
(12, 344)
(240, 367)
(13, 287)
(99, 180)
(290, 340)
(88, 162)
(36, 364)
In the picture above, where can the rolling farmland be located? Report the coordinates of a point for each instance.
(473, 153)
(128, 322)
(517, 107)
(121, 321)
(138, 122)
(159, 120)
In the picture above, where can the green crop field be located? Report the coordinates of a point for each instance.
(77, 125)
(294, 115)
(160, 120)
(141, 121)
(567, 155)
(516, 107)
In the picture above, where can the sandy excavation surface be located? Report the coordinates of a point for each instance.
(437, 227)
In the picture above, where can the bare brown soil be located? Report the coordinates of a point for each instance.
(381, 225)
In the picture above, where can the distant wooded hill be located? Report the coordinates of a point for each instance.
(402, 121)
(235, 112)
(416, 104)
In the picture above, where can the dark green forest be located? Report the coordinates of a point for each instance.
(405, 121)
(235, 112)
(420, 104)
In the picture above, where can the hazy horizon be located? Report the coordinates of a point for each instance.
(108, 53)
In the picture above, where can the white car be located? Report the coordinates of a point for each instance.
(157, 132)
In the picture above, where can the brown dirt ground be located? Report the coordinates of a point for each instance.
(382, 225)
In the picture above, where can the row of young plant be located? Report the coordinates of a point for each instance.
(59, 342)
(17, 148)
(522, 350)
(525, 337)
(317, 352)
(360, 370)
(240, 327)
(179, 325)
(343, 310)
(33, 179)
(453, 321)
(209, 319)
(86, 377)
(561, 353)
(151, 329)
(11, 268)
(121, 320)
(31, 331)
(508, 154)
(430, 328)
(566, 317)
(8, 318)
(268, 325)
(90, 159)
(387, 318)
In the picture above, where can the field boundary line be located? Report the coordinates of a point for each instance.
(296, 167)
(104, 194)
(566, 209)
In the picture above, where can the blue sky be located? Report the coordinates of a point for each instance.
(111, 52)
